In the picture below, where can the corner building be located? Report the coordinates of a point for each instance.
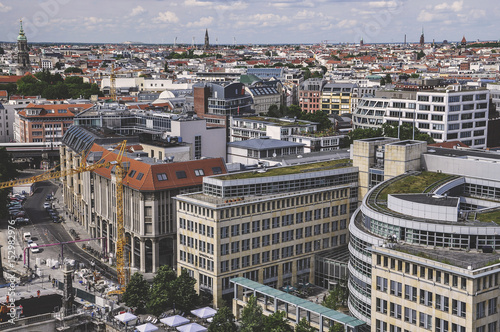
(422, 243)
(265, 226)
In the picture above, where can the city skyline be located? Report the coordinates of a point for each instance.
(244, 22)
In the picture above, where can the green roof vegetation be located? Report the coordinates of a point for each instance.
(313, 167)
(413, 184)
(489, 216)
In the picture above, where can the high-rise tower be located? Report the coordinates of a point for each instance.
(207, 40)
(23, 58)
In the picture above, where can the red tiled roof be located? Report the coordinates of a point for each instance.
(150, 181)
(9, 79)
(68, 107)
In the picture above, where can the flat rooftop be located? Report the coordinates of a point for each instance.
(305, 168)
(430, 199)
(455, 257)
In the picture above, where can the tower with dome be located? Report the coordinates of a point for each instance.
(23, 57)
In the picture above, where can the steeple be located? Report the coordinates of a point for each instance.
(422, 38)
(21, 36)
(23, 57)
(207, 40)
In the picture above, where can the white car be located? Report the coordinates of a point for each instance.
(46, 205)
(32, 245)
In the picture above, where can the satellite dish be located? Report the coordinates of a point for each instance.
(274, 155)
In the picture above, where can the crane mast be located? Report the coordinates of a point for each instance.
(119, 174)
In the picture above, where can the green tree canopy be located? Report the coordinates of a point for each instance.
(277, 322)
(184, 293)
(252, 319)
(137, 292)
(304, 326)
(73, 70)
(294, 111)
(161, 293)
(337, 296)
(223, 321)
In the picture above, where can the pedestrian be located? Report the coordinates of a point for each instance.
(49, 277)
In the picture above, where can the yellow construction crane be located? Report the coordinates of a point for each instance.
(112, 83)
(119, 173)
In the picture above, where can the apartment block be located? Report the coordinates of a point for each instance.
(447, 114)
(265, 226)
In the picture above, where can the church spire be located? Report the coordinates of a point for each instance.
(207, 40)
(21, 36)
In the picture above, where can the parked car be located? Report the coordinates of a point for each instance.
(46, 205)
(27, 236)
(32, 245)
(22, 221)
(20, 214)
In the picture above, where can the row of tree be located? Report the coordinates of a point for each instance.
(167, 291)
(404, 132)
(294, 111)
(253, 320)
(54, 86)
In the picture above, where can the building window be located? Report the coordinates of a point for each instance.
(199, 172)
(382, 284)
(161, 176)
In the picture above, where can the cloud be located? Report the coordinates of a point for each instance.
(426, 16)
(202, 22)
(237, 5)
(347, 24)
(455, 6)
(307, 14)
(4, 8)
(137, 11)
(166, 17)
(197, 3)
(382, 4)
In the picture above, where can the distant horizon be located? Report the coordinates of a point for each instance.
(212, 46)
(244, 22)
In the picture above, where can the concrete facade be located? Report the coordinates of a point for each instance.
(266, 228)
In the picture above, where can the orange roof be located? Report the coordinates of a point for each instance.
(68, 108)
(3, 93)
(178, 174)
(9, 79)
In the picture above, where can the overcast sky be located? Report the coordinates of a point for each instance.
(256, 21)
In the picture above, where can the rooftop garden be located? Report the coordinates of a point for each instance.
(313, 167)
(413, 184)
(489, 216)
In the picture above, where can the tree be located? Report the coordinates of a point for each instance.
(277, 322)
(184, 295)
(161, 294)
(336, 328)
(8, 171)
(73, 70)
(388, 79)
(362, 133)
(420, 55)
(252, 319)
(304, 326)
(223, 321)
(405, 132)
(337, 296)
(136, 293)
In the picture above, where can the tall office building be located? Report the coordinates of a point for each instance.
(265, 226)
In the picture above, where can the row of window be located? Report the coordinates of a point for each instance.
(277, 254)
(195, 227)
(426, 323)
(255, 226)
(425, 272)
